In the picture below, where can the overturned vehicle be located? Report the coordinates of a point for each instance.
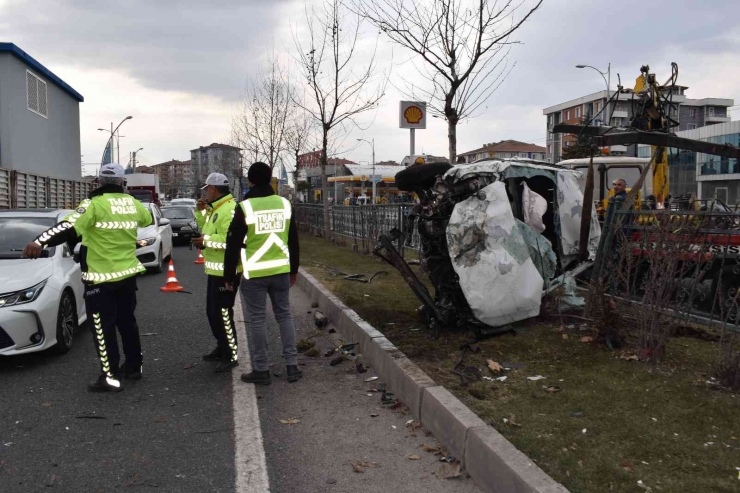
(495, 236)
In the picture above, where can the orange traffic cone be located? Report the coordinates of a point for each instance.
(172, 285)
(200, 260)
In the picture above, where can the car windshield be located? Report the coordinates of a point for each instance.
(178, 213)
(17, 232)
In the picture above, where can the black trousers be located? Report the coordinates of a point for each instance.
(220, 312)
(111, 305)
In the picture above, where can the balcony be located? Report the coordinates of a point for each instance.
(715, 118)
(620, 114)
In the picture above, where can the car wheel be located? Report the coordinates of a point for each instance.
(66, 323)
(160, 262)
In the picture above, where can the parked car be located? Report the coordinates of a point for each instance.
(41, 302)
(187, 202)
(154, 243)
(182, 222)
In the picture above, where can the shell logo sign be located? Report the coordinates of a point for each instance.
(413, 114)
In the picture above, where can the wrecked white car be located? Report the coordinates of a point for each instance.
(495, 236)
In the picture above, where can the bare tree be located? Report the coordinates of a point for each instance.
(338, 93)
(261, 122)
(464, 44)
(299, 135)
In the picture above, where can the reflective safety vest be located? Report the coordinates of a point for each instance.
(266, 250)
(108, 224)
(214, 225)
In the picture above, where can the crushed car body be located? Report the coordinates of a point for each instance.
(495, 235)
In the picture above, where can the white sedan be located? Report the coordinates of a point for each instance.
(41, 302)
(154, 243)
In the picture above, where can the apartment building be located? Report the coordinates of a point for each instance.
(502, 150)
(689, 113)
(219, 158)
(177, 178)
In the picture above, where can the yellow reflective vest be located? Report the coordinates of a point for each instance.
(266, 250)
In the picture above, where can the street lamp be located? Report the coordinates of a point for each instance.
(112, 133)
(133, 167)
(372, 144)
(607, 80)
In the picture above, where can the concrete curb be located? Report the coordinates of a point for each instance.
(491, 460)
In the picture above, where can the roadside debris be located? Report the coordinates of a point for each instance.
(46, 404)
(431, 450)
(319, 319)
(360, 368)
(304, 345)
(360, 466)
(290, 421)
(188, 366)
(535, 378)
(413, 457)
(494, 367)
(90, 416)
(513, 366)
(642, 485)
(551, 388)
(146, 334)
(578, 414)
(313, 352)
(371, 379)
(449, 471)
(361, 277)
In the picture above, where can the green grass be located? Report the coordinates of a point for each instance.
(642, 423)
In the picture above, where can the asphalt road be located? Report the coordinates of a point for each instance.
(175, 430)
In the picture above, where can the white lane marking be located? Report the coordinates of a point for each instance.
(250, 462)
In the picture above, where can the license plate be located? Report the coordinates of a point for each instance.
(174, 235)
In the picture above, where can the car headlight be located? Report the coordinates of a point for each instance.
(194, 226)
(146, 242)
(22, 296)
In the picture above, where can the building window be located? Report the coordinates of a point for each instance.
(566, 144)
(549, 151)
(567, 114)
(692, 126)
(522, 154)
(711, 111)
(578, 112)
(692, 114)
(617, 122)
(596, 107)
(36, 94)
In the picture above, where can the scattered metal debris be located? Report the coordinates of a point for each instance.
(361, 277)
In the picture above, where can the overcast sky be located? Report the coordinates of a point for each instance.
(180, 67)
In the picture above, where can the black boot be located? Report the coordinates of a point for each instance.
(257, 377)
(125, 372)
(293, 373)
(214, 355)
(226, 365)
(105, 384)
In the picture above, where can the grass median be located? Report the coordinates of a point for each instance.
(598, 421)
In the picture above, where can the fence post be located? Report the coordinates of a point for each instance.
(354, 229)
(605, 241)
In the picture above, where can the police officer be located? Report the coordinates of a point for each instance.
(108, 223)
(214, 217)
(270, 263)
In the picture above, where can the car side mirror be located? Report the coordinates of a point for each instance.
(164, 221)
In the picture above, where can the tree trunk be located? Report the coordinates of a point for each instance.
(325, 184)
(452, 138)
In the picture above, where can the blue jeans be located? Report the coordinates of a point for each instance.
(254, 293)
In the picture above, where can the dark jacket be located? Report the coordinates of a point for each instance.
(238, 232)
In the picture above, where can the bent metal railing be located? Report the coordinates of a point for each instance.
(359, 225)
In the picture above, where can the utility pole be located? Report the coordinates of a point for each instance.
(372, 178)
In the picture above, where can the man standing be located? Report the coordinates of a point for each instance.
(270, 261)
(108, 223)
(214, 217)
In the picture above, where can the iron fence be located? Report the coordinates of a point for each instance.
(360, 225)
(673, 264)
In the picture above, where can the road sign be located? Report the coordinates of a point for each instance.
(412, 114)
(376, 178)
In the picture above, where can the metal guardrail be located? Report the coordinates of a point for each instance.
(362, 225)
(19, 190)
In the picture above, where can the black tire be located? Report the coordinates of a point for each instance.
(66, 323)
(420, 176)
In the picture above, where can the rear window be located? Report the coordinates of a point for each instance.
(178, 213)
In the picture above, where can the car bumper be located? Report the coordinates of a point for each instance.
(183, 234)
(148, 255)
(29, 327)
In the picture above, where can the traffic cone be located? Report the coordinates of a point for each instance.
(172, 285)
(200, 260)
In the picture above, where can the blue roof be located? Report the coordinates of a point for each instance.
(34, 64)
